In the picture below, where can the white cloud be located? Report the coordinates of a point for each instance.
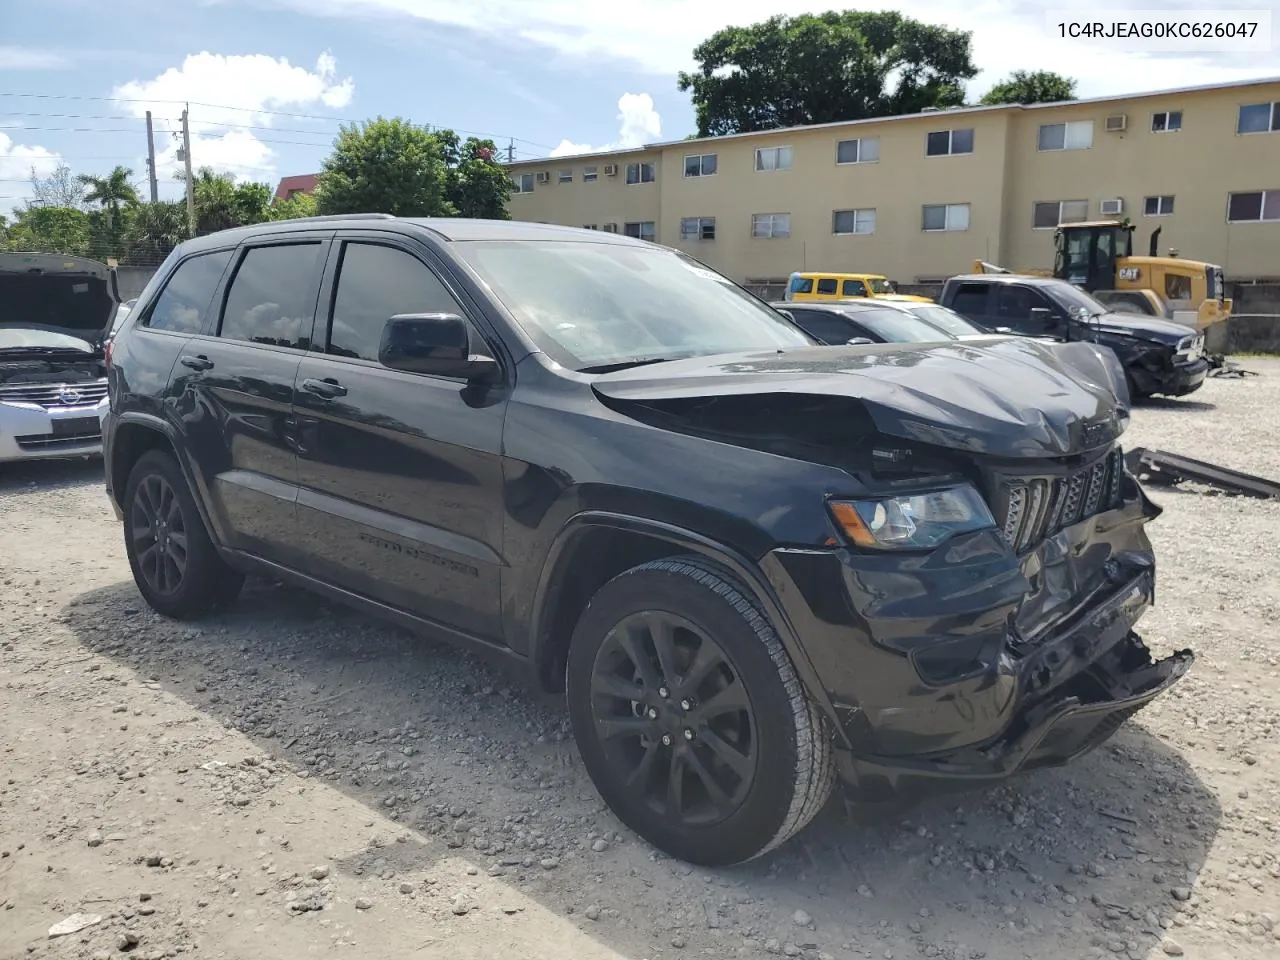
(30, 58)
(658, 36)
(638, 124)
(247, 89)
(16, 163)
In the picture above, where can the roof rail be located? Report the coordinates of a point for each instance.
(338, 216)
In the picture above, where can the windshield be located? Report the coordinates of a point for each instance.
(947, 320)
(879, 285)
(1073, 299)
(897, 326)
(590, 305)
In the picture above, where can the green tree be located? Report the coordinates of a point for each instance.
(822, 68)
(476, 185)
(153, 230)
(221, 203)
(1031, 86)
(293, 208)
(44, 229)
(384, 166)
(111, 192)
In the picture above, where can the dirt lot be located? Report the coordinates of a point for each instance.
(292, 780)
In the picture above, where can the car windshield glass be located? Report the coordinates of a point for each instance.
(1073, 299)
(590, 305)
(879, 285)
(897, 326)
(947, 320)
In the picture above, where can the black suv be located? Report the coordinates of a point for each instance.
(751, 562)
(1158, 356)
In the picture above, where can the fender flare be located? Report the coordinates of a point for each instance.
(745, 570)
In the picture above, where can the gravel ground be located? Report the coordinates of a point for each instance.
(291, 779)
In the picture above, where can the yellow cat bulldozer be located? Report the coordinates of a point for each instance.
(1097, 256)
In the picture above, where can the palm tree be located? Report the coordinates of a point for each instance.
(153, 231)
(111, 192)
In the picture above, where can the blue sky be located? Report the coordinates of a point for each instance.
(270, 80)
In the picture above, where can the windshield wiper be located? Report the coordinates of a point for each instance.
(625, 364)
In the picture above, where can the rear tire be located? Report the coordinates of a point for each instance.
(676, 677)
(174, 562)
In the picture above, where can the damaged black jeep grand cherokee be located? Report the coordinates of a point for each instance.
(753, 563)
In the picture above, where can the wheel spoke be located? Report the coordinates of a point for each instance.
(663, 633)
(141, 534)
(611, 728)
(633, 646)
(740, 763)
(178, 540)
(643, 772)
(615, 687)
(675, 786)
(715, 793)
(705, 660)
(148, 555)
(730, 699)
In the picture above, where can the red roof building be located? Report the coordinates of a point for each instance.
(302, 183)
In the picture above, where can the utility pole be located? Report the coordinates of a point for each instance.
(151, 160)
(191, 184)
(511, 151)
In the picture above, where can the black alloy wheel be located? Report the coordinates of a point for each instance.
(159, 533)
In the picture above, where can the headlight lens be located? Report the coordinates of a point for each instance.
(918, 521)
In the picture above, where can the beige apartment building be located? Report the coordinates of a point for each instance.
(920, 197)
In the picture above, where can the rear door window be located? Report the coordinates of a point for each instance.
(854, 288)
(827, 286)
(272, 299)
(971, 300)
(183, 304)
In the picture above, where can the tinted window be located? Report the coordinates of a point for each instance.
(971, 299)
(182, 304)
(895, 326)
(854, 288)
(273, 296)
(827, 286)
(376, 283)
(825, 326)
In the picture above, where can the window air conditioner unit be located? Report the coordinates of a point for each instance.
(611, 228)
(1117, 122)
(610, 169)
(544, 178)
(1112, 208)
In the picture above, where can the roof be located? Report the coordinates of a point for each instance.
(300, 183)
(1027, 278)
(443, 228)
(840, 306)
(926, 114)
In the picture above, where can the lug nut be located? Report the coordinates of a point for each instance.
(663, 692)
(666, 739)
(686, 705)
(653, 714)
(688, 734)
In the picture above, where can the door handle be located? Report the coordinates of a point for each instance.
(200, 362)
(326, 389)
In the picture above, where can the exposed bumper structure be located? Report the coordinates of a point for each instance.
(1180, 380)
(968, 665)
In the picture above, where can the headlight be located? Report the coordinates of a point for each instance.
(918, 521)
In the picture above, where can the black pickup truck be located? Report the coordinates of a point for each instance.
(1158, 356)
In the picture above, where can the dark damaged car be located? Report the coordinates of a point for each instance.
(755, 565)
(55, 312)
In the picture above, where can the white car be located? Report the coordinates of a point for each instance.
(55, 315)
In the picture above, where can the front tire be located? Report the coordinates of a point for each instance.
(174, 562)
(690, 718)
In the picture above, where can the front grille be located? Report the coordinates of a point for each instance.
(1038, 507)
(86, 394)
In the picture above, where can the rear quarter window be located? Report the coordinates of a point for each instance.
(183, 304)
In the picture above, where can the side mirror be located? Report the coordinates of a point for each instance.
(858, 341)
(438, 344)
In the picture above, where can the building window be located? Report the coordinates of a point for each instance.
(1048, 214)
(949, 143)
(566, 176)
(523, 183)
(854, 222)
(773, 158)
(698, 228)
(590, 174)
(590, 226)
(703, 165)
(1253, 207)
(1166, 122)
(643, 230)
(946, 216)
(1076, 135)
(1157, 206)
(640, 173)
(865, 150)
(1258, 118)
(770, 225)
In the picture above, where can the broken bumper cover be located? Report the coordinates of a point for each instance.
(1183, 379)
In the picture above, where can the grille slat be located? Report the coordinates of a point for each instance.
(1038, 507)
(55, 394)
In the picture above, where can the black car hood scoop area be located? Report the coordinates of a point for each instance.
(1013, 397)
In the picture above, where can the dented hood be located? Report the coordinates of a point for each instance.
(1008, 397)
